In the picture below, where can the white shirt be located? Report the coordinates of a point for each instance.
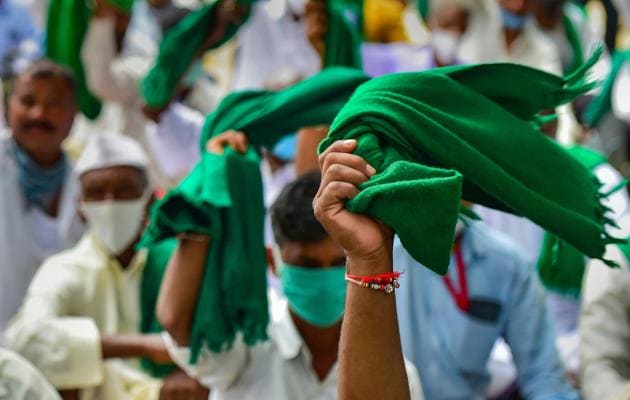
(27, 237)
(278, 369)
(76, 296)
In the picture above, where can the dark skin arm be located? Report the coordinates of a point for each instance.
(371, 364)
(135, 346)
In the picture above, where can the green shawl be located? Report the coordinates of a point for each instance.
(344, 35)
(177, 51)
(67, 24)
(434, 137)
(602, 105)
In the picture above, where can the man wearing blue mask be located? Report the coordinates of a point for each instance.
(299, 361)
(38, 204)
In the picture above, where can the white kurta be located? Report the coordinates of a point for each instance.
(278, 369)
(19, 380)
(27, 234)
(76, 296)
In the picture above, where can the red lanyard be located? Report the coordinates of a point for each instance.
(461, 296)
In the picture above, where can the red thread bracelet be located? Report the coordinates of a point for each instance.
(387, 282)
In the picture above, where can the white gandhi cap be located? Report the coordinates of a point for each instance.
(109, 149)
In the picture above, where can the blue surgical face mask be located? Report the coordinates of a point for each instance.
(316, 295)
(39, 185)
(513, 21)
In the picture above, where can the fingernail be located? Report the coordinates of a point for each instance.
(349, 142)
(370, 170)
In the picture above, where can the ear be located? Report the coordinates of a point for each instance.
(271, 261)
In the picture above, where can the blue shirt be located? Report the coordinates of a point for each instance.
(451, 348)
(16, 27)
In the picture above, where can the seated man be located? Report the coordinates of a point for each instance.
(299, 360)
(81, 314)
(38, 214)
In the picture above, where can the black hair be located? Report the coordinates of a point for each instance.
(292, 216)
(46, 69)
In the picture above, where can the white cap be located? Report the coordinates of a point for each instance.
(109, 149)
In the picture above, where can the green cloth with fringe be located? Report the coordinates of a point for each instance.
(344, 35)
(448, 134)
(66, 26)
(178, 49)
(434, 137)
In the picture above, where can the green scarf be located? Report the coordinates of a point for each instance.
(222, 197)
(157, 261)
(561, 266)
(177, 51)
(67, 24)
(452, 133)
(602, 105)
(343, 38)
(431, 135)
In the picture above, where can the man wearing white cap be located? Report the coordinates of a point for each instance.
(81, 314)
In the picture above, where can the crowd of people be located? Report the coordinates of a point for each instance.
(314, 199)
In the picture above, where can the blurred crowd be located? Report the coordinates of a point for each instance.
(105, 112)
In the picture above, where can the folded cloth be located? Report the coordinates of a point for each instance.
(434, 137)
(448, 134)
(178, 49)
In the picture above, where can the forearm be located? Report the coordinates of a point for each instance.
(371, 364)
(123, 346)
(180, 288)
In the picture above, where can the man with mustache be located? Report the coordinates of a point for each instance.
(38, 194)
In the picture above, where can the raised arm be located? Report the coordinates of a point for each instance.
(371, 363)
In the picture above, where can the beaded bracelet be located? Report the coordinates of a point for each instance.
(386, 283)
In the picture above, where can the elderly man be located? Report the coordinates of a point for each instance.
(81, 315)
(38, 204)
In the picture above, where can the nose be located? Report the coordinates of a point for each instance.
(37, 111)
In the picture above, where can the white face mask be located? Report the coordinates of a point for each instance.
(445, 45)
(115, 223)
